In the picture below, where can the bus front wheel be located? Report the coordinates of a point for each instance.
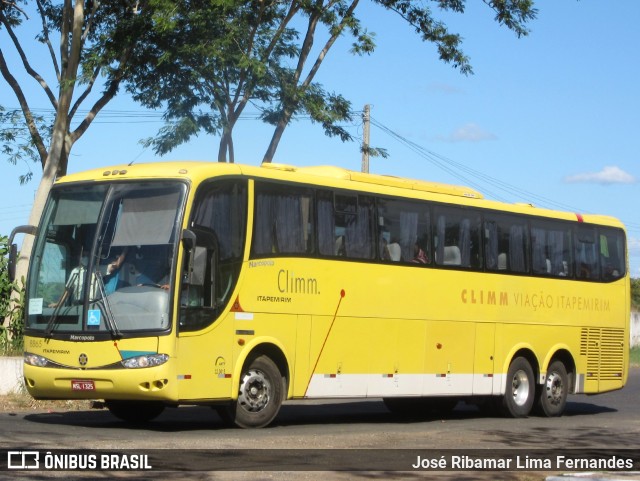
(552, 398)
(520, 391)
(260, 395)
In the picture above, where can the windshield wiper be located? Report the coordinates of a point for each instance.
(63, 298)
(110, 320)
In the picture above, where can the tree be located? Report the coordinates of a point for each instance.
(635, 294)
(11, 307)
(212, 59)
(251, 52)
(96, 44)
(16, 141)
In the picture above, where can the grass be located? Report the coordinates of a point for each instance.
(22, 401)
(634, 356)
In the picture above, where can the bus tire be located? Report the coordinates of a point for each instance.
(135, 411)
(260, 394)
(520, 391)
(552, 397)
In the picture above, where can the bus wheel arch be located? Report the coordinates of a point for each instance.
(261, 388)
(558, 382)
(520, 388)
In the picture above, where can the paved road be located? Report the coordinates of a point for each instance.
(591, 424)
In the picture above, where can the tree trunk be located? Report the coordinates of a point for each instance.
(57, 150)
(48, 177)
(275, 139)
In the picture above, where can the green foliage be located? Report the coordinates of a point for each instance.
(91, 46)
(17, 144)
(635, 294)
(204, 61)
(634, 356)
(11, 332)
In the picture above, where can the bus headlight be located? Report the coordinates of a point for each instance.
(147, 360)
(35, 360)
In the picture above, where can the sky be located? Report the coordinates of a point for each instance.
(549, 119)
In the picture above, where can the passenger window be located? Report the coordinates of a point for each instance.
(282, 220)
(586, 254)
(506, 243)
(457, 238)
(345, 225)
(404, 230)
(612, 254)
(550, 249)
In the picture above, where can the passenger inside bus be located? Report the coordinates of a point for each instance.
(72, 293)
(419, 256)
(148, 265)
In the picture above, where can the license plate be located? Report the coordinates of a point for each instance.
(83, 385)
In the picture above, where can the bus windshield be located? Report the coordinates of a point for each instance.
(104, 259)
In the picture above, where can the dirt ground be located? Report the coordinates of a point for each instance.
(21, 402)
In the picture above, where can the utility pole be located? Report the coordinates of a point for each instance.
(366, 117)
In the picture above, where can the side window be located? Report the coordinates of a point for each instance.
(404, 231)
(282, 221)
(53, 272)
(612, 254)
(587, 256)
(345, 225)
(551, 249)
(457, 237)
(212, 267)
(506, 243)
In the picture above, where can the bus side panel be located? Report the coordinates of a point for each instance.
(483, 358)
(449, 359)
(357, 357)
(205, 362)
(302, 363)
(398, 360)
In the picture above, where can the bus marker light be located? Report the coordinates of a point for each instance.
(240, 342)
(236, 306)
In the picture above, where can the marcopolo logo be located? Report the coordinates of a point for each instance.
(23, 460)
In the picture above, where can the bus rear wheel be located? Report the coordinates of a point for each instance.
(552, 397)
(520, 391)
(260, 395)
(135, 411)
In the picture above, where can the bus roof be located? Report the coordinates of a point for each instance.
(336, 176)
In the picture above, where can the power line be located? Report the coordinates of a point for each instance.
(467, 175)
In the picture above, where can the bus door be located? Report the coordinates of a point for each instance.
(204, 341)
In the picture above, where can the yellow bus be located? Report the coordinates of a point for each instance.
(241, 287)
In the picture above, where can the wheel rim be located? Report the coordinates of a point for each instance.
(554, 388)
(255, 391)
(520, 388)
